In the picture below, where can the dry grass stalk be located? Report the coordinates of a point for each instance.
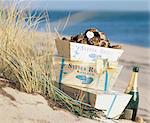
(28, 61)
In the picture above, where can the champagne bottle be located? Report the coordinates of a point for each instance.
(131, 109)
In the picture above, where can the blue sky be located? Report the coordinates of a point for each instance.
(120, 5)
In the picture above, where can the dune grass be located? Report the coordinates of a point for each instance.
(26, 58)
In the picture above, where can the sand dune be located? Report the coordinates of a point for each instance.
(19, 107)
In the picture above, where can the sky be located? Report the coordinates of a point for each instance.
(116, 5)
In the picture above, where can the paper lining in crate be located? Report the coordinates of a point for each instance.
(111, 103)
(84, 52)
(84, 74)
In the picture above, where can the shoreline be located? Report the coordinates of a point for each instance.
(113, 42)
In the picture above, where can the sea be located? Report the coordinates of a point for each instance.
(120, 26)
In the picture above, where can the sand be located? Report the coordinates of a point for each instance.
(19, 107)
(25, 108)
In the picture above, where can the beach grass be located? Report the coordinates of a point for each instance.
(27, 61)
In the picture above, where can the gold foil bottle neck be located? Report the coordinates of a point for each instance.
(132, 85)
(135, 86)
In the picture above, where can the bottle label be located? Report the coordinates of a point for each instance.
(128, 114)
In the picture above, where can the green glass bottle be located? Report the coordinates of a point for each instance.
(132, 107)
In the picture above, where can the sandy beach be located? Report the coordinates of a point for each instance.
(28, 71)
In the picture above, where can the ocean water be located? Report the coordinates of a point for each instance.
(123, 27)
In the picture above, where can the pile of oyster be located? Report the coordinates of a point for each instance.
(92, 37)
